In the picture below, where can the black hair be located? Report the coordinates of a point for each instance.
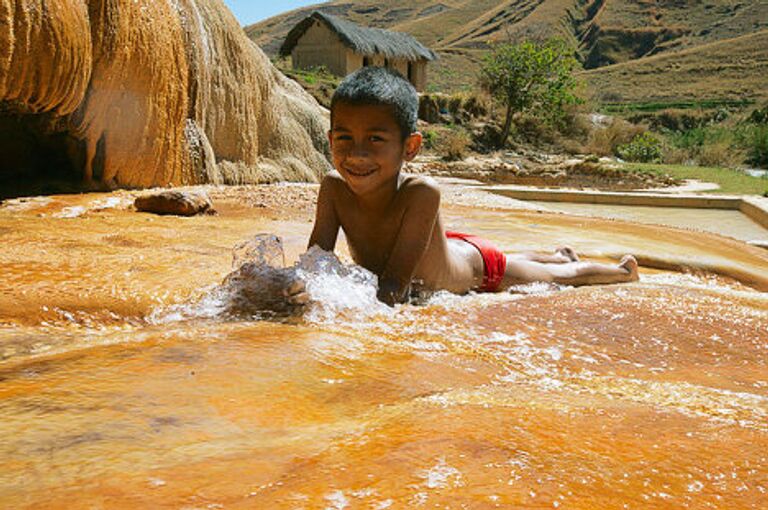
(381, 86)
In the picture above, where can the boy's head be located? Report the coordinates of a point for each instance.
(373, 129)
(379, 86)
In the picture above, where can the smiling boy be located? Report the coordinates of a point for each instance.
(392, 221)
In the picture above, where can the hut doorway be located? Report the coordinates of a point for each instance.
(366, 61)
(35, 158)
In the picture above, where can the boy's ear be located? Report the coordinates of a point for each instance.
(330, 138)
(412, 145)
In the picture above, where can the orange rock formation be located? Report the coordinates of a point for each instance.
(137, 94)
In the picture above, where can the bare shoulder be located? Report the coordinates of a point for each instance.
(332, 186)
(332, 180)
(417, 187)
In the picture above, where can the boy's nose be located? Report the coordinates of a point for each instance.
(358, 151)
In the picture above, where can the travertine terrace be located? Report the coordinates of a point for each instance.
(135, 94)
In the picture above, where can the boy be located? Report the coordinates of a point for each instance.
(392, 221)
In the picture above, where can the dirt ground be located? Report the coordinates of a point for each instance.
(540, 170)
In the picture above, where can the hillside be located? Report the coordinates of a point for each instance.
(604, 33)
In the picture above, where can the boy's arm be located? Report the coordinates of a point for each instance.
(324, 235)
(326, 228)
(412, 241)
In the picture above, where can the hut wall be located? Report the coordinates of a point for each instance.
(418, 74)
(319, 46)
(399, 65)
(354, 61)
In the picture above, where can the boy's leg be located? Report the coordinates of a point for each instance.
(573, 273)
(562, 255)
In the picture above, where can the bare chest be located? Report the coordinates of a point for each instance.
(371, 238)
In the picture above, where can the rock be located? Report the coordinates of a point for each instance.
(142, 94)
(179, 203)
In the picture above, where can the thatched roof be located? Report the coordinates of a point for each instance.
(363, 40)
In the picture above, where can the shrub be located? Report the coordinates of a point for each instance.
(677, 156)
(476, 105)
(576, 125)
(759, 115)
(533, 129)
(454, 104)
(605, 141)
(757, 146)
(719, 154)
(453, 144)
(430, 139)
(644, 148)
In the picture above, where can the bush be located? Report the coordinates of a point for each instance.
(476, 105)
(533, 129)
(644, 148)
(461, 107)
(454, 104)
(577, 125)
(453, 144)
(719, 154)
(677, 156)
(677, 119)
(605, 141)
(430, 139)
(759, 115)
(757, 146)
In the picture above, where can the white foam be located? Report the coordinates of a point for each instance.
(256, 288)
(70, 212)
(337, 501)
(441, 476)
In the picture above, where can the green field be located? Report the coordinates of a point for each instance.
(730, 181)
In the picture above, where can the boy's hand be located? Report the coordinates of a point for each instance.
(391, 292)
(296, 293)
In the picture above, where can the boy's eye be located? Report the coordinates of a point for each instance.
(343, 137)
(375, 138)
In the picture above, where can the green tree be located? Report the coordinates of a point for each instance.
(530, 76)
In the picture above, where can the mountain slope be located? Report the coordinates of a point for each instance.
(603, 33)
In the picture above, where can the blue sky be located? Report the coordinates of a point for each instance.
(251, 11)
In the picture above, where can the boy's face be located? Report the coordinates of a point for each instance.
(367, 146)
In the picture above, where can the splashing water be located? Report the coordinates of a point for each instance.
(263, 249)
(256, 287)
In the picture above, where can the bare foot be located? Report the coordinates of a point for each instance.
(567, 252)
(629, 264)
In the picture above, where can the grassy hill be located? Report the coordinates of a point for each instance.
(633, 51)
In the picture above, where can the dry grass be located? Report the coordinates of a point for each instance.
(604, 141)
(701, 49)
(453, 144)
(731, 69)
(720, 154)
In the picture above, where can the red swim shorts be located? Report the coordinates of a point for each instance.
(494, 261)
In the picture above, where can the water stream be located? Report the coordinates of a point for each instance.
(140, 368)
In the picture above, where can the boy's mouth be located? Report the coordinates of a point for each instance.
(360, 172)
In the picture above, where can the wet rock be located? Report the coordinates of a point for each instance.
(174, 202)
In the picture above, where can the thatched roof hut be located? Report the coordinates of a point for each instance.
(343, 47)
